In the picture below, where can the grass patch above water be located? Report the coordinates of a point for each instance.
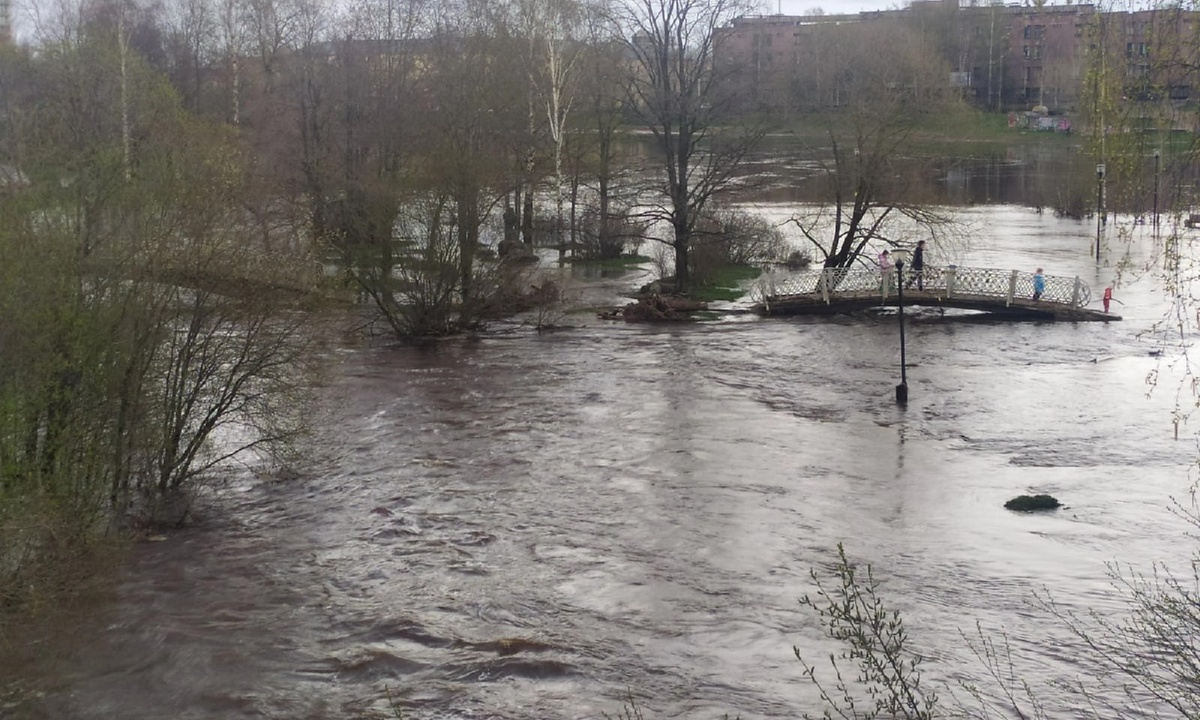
(625, 261)
(724, 283)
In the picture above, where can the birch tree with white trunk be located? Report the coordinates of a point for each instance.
(553, 29)
(233, 44)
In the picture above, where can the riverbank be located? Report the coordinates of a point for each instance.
(966, 132)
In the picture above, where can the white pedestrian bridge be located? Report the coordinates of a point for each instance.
(1007, 293)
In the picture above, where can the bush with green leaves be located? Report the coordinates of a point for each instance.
(151, 333)
(886, 680)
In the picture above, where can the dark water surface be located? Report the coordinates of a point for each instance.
(641, 507)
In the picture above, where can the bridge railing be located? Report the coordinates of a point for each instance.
(945, 282)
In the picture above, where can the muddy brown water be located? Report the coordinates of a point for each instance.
(517, 525)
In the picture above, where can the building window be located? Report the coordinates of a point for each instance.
(1033, 52)
(1035, 32)
(1137, 49)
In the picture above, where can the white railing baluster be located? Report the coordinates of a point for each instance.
(975, 285)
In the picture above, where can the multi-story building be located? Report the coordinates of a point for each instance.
(1158, 50)
(6, 21)
(1024, 56)
(1002, 56)
(769, 52)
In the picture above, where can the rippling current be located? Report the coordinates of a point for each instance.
(543, 526)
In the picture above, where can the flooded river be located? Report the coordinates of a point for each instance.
(539, 526)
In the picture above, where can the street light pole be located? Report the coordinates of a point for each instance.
(1099, 205)
(902, 388)
(1156, 161)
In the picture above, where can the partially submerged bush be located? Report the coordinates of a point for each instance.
(1029, 503)
(885, 681)
(726, 237)
(423, 281)
(611, 237)
(798, 260)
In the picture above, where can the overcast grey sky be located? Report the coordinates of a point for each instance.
(831, 7)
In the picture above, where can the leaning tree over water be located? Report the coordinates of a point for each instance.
(870, 86)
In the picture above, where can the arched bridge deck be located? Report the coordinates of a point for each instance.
(1003, 292)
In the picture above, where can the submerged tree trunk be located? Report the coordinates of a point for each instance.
(527, 218)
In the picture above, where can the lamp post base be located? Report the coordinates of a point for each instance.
(902, 394)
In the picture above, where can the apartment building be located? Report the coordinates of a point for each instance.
(6, 21)
(1001, 56)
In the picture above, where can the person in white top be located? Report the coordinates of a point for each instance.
(885, 261)
(885, 270)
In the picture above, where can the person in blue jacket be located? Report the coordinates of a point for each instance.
(1039, 284)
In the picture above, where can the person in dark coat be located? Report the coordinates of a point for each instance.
(917, 266)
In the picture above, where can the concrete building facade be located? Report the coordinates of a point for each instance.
(1001, 56)
(6, 21)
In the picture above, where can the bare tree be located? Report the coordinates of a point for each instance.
(553, 29)
(274, 26)
(191, 33)
(405, 162)
(888, 79)
(469, 95)
(233, 41)
(605, 86)
(683, 90)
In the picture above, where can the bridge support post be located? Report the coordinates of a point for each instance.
(1075, 295)
(950, 272)
(824, 285)
(1012, 288)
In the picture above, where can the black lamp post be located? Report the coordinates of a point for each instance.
(1156, 161)
(1099, 205)
(902, 388)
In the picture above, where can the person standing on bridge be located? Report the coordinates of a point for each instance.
(1108, 298)
(885, 269)
(917, 265)
(1039, 284)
